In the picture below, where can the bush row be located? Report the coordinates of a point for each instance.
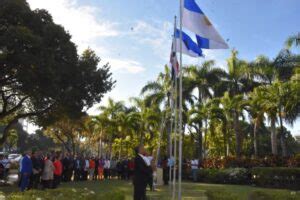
(260, 176)
(253, 195)
(233, 162)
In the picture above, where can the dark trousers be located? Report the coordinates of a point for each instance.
(47, 184)
(106, 173)
(166, 175)
(35, 181)
(24, 182)
(56, 181)
(139, 192)
(77, 174)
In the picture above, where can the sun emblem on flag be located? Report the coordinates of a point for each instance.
(207, 21)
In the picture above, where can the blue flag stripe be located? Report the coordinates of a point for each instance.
(202, 42)
(189, 43)
(192, 6)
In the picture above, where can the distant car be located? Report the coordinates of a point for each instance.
(14, 157)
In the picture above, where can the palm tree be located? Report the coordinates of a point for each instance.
(256, 112)
(110, 112)
(293, 40)
(217, 115)
(240, 81)
(205, 79)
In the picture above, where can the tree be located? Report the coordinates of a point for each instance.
(204, 79)
(293, 40)
(256, 111)
(41, 74)
(240, 81)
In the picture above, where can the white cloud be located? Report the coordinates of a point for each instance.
(157, 34)
(79, 20)
(82, 23)
(126, 65)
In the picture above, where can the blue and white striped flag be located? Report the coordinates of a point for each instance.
(195, 20)
(189, 47)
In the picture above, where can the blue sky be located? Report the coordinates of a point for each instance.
(135, 35)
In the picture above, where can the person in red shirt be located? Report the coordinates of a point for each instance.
(92, 168)
(57, 171)
(131, 167)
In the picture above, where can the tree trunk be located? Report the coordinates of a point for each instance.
(224, 130)
(273, 138)
(237, 134)
(200, 143)
(255, 145)
(282, 139)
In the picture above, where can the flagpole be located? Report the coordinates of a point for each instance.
(175, 138)
(180, 108)
(172, 103)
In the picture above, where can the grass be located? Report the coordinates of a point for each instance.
(196, 191)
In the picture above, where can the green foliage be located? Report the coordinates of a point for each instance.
(42, 76)
(276, 177)
(229, 176)
(260, 195)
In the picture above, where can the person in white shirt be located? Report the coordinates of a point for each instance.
(106, 168)
(194, 167)
(5, 162)
(86, 168)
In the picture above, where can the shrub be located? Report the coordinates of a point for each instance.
(268, 161)
(276, 177)
(260, 195)
(231, 175)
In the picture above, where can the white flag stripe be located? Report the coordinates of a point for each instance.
(185, 50)
(198, 23)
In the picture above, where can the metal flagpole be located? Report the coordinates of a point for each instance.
(180, 108)
(172, 103)
(175, 120)
(175, 138)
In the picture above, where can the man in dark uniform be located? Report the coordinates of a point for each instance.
(142, 173)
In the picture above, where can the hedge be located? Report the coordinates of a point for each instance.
(245, 162)
(254, 195)
(276, 177)
(261, 176)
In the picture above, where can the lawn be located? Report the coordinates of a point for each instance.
(196, 191)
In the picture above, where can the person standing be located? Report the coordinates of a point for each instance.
(96, 169)
(86, 168)
(142, 173)
(26, 171)
(92, 168)
(106, 168)
(77, 169)
(66, 162)
(36, 170)
(100, 169)
(194, 167)
(58, 168)
(166, 169)
(48, 173)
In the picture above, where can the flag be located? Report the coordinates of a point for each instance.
(189, 47)
(174, 63)
(195, 20)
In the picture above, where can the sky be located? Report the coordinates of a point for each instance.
(134, 36)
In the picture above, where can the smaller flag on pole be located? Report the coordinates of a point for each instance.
(189, 47)
(174, 63)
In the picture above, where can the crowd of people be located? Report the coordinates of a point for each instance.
(46, 171)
